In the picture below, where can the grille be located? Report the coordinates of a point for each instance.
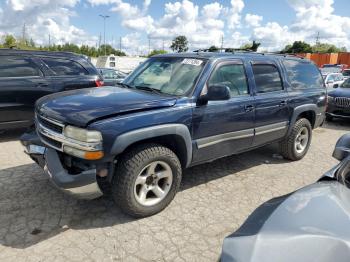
(50, 125)
(51, 142)
(342, 101)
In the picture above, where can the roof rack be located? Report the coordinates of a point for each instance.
(225, 49)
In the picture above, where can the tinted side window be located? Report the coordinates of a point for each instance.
(232, 76)
(15, 66)
(303, 75)
(267, 78)
(64, 66)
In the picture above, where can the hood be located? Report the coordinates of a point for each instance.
(311, 224)
(340, 92)
(83, 106)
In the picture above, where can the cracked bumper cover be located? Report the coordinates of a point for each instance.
(83, 185)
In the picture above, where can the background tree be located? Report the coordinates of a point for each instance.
(253, 46)
(297, 47)
(179, 44)
(327, 48)
(157, 52)
(9, 41)
(213, 48)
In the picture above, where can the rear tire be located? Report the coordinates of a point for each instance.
(295, 146)
(147, 179)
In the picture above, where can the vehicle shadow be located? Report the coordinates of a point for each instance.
(11, 135)
(337, 124)
(32, 210)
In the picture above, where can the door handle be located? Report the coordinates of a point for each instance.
(248, 108)
(283, 103)
(42, 85)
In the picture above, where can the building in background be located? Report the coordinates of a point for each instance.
(122, 63)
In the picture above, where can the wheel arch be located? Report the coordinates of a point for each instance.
(308, 111)
(174, 136)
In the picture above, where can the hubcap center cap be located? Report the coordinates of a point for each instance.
(149, 180)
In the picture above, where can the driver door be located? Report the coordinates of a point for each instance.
(225, 127)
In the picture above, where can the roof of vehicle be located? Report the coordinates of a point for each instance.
(238, 54)
(14, 51)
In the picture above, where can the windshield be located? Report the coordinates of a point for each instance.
(346, 84)
(167, 75)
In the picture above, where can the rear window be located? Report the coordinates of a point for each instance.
(267, 78)
(303, 75)
(16, 66)
(63, 67)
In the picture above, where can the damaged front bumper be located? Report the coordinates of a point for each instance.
(82, 185)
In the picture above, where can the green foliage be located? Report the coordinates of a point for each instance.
(302, 47)
(179, 44)
(213, 48)
(9, 41)
(253, 47)
(157, 52)
(327, 48)
(25, 44)
(297, 47)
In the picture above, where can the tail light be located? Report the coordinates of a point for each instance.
(99, 83)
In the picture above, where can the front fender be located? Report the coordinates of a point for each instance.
(129, 138)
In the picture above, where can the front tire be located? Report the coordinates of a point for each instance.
(295, 146)
(147, 179)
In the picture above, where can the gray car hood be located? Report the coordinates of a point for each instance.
(311, 224)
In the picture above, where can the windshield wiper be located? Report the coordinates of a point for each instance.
(150, 89)
(125, 85)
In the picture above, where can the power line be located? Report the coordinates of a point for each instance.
(104, 30)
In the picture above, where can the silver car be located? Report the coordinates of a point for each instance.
(311, 224)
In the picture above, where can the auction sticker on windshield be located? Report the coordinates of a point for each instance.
(195, 62)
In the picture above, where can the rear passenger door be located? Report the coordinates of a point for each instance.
(67, 74)
(272, 111)
(21, 84)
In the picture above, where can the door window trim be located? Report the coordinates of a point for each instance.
(229, 62)
(270, 63)
(41, 73)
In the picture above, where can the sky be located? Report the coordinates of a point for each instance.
(140, 25)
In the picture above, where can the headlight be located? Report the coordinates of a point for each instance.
(88, 155)
(82, 135)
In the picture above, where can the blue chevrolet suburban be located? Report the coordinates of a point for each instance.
(173, 112)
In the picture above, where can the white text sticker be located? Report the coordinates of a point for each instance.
(195, 62)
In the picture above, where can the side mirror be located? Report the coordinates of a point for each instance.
(218, 92)
(336, 86)
(342, 147)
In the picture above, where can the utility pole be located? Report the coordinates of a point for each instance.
(120, 44)
(163, 45)
(318, 38)
(149, 45)
(104, 30)
(99, 41)
(222, 42)
(49, 40)
(24, 34)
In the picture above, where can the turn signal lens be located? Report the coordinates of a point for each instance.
(88, 155)
(93, 155)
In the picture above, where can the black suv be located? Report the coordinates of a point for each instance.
(26, 76)
(175, 111)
